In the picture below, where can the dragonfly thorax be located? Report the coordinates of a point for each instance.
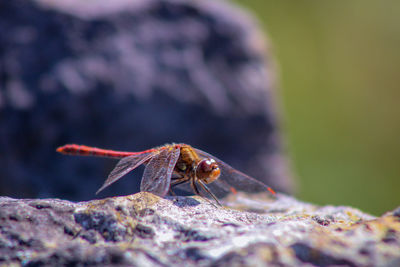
(207, 170)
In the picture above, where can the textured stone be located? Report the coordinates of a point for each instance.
(146, 230)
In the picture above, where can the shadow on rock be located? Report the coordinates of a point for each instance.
(183, 201)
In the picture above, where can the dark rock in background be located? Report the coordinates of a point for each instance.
(130, 75)
(145, 230)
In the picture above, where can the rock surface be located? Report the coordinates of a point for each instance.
(146, 230)
(130, 75)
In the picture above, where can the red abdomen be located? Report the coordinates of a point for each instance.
(82, 150)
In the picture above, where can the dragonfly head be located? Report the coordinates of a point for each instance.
(207, 170)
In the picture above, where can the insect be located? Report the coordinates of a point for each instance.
(172, 165)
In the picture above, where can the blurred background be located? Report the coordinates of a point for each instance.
(131, 75)
(340, 87)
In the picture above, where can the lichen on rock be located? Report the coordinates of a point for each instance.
(144, 229)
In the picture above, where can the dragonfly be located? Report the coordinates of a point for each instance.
(172, 165)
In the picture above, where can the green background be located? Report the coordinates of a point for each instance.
(339, 64)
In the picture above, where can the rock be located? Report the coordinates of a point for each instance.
(146, 230)
(130, 75)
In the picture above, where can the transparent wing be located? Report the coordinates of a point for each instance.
(124, 166)
(232, 180)
(157, 174)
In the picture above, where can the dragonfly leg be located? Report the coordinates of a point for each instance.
(194, 187)
(177, 181)
(208, 191)
(197, 191)
(172, 193)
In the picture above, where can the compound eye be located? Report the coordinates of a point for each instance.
(207, 170)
